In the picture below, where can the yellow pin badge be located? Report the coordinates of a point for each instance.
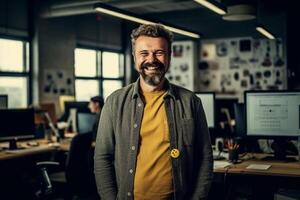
(175, 153)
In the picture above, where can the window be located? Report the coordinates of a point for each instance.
(85, 63)
(110, 86)
(85, 89)
(14, 72)
(97, 73)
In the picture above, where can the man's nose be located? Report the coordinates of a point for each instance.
(152, 57)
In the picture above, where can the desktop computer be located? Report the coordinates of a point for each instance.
(16, 124)
(273, 115)
(79, 106)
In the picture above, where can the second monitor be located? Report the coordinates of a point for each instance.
(273, 113)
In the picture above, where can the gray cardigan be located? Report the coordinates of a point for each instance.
(117, 144)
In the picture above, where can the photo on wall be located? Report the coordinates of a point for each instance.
(58, 82)
(240, 64)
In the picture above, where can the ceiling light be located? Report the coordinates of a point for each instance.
(121, 14)
(211, 6)
(266, 33)
(240, 12)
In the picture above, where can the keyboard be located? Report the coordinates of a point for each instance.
(29, 149)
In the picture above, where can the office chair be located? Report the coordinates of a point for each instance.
(78, 178)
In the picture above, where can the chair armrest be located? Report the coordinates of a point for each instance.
(46, 185)
(47, 164)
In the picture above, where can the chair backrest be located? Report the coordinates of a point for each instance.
(79, 164)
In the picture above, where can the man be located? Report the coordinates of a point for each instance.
(95, 105)
(154, 141)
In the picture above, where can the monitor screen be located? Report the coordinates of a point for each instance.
(85, 122)
(208, 103)
(273, 113)
(3, 101)
(17, 123)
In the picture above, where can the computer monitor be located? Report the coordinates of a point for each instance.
(3, 101)
(80, 106)
(85, 122)
(16, 124)
(272, 113)
(208, 103)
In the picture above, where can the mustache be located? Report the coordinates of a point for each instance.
(156, 64)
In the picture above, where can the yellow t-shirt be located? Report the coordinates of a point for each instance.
(153, 176)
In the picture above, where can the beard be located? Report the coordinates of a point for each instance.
(156, 74)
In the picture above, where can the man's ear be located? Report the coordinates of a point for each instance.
(133, 56)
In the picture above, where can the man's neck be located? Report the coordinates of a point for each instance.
(149, 88)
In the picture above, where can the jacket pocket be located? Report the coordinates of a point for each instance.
(188, 131)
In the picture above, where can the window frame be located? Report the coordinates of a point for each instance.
(99, 67)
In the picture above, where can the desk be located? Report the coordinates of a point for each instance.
(278, 168)
(236, 180)
(45, 148)
(64, 145)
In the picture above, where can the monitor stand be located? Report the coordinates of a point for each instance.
(13, 144)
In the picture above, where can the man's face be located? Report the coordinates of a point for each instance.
(152, 59)
(94, 107)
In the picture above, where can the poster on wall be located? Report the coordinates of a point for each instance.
(57, 82)
(231, 66)
(182, 64)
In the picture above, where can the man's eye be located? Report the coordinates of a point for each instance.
(144, 54)
(160, 53)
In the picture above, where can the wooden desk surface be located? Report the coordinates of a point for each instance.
(278, 168)
(43, 147)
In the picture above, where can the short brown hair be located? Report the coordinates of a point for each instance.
(151, 30)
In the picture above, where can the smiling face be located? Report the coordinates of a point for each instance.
(152, 59)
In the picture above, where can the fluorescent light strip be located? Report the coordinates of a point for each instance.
(265, 32)
(211, 6)
(142, 21)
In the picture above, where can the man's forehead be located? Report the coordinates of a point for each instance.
(151, 42)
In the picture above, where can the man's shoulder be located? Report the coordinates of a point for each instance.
(183, 92)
